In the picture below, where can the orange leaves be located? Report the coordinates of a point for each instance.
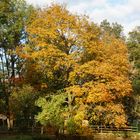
(121, 87)
(96, 97)
(110, 114)
(54, 25)
(117, 114)
(98, 94)
(118, 108)
(103, 74)
(75, 90)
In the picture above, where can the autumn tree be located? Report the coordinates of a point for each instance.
(102, 82)
(48, 52)
(69, 52)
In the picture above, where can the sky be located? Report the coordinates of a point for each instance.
(124, 12)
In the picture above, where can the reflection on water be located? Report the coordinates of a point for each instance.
(114, 139)
(99, 136)
(117, 136)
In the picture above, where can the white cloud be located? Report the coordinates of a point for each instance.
(118, 13)
(40, 3)
(125, 12)
(131, 25)
(98, 3)
(135, 4)
(43, 3)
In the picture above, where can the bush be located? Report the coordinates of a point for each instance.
(72, 126)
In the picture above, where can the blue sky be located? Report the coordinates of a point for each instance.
(125, 12)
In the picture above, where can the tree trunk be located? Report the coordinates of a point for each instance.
(8, 123)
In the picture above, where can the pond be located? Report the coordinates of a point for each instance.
(66, 137)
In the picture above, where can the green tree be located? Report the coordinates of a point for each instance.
(133, 43)
(114, 29)
(22, 100)
(53, 110)
(13, 18)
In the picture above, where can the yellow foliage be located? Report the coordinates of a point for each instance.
(94, 73)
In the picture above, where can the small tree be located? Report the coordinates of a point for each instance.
(22, 100)
(52, 111)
